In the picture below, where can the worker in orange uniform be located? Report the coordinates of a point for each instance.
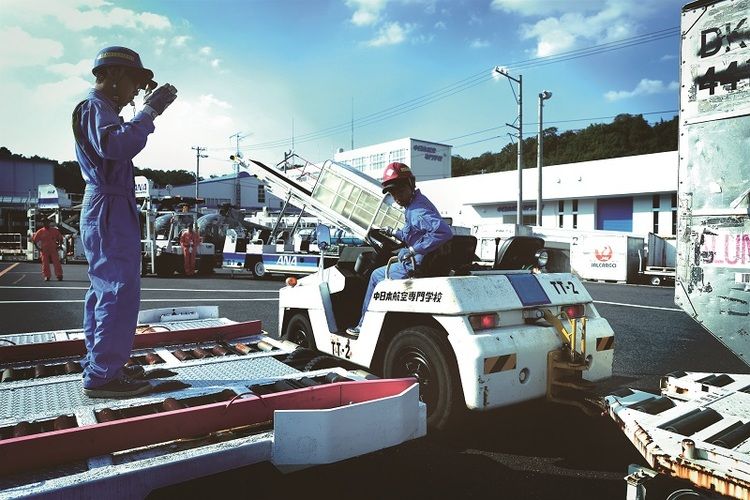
(48, 240)
(189, 240)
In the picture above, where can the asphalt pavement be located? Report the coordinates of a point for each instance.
(534, 451)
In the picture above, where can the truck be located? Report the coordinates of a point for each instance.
(698, 428)
(475, 337)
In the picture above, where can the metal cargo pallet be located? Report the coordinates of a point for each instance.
(697, 429)
(220, 401)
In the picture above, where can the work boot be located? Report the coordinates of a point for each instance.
(133, 372)
(59, 278)
(353, 331)
(46, 278)
(118, 388)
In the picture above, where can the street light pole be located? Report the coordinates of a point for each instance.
(543, 96)
(519, 203)
(198, 157)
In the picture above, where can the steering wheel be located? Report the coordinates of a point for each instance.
(383, 244)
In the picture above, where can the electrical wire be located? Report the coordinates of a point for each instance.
(465, 84)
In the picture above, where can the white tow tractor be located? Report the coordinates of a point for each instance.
(474, 337)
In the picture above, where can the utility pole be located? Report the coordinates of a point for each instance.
(237, 187)
(519, 99)
(198, 157)
(543, 96)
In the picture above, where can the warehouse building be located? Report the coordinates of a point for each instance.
(253, 195)
(635, 194)
(427, 160)
(19, 181)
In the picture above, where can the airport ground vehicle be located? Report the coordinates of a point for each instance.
(698, 428)
(164, 219)
(474, 337)
(225, 395)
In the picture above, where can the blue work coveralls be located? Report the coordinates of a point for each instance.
(424, 231)
(111, 233)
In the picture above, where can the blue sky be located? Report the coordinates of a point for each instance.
(273, 69)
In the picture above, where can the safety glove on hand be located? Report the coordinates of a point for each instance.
(406, 254)
(388, 231)
(159, 100)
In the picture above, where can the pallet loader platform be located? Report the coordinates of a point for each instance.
(224, 396)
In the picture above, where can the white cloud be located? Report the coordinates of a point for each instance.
(205, 51)
(366, 12)
(215, 63)
(668, 57)
(208, 100)
(616, 20)
(440, 25)
(542, 7)
(644, 87)
(20, 49)
(82, 15)
(478, 43)
(90, 41)
(180, 41)
(81, 69)
(391, 34)
(205, 120)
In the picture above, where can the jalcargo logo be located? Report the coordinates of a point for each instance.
(603, 255)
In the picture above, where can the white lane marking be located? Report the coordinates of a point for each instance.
(19, 279)
(142, 300)
(638, 306)
(142, 289)
(7, 269)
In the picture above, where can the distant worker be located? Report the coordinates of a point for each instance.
(48, 240)
(423, 232)
(189, 241)
(110, 228)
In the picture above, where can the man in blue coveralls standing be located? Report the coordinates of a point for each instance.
(110, 226)
(423, 232)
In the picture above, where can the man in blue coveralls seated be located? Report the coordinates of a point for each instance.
(423, 232)
(110, 226)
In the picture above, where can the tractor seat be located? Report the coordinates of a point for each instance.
(454, 257)
(518, 252)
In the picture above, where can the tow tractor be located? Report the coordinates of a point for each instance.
(161, 253)
(475, 337)
(698, 429)
(225, 395)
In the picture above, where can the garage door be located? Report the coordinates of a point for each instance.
(614, 214)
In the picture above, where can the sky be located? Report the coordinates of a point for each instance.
(318, 75)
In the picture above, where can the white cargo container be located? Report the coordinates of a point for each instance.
(606, 257)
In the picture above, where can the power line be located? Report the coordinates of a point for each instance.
(470, 82)
(531, 134)
(557, 121)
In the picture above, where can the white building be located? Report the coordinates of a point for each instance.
(427, 160)
(636, 194)
(219, 190)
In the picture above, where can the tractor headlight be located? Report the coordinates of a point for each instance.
(542, 257)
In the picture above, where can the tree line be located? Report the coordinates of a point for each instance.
(627, 135)
(68, 173)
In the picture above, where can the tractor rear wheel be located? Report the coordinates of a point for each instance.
(425, 354)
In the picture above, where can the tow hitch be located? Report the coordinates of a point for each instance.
(565, 366)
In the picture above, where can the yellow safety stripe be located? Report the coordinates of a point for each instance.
(605, 343)
(499, 363)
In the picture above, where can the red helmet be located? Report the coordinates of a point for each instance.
(395, 173)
